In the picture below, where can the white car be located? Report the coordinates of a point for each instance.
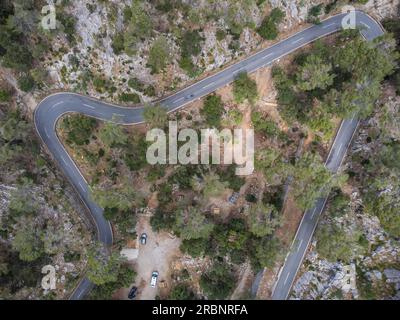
(154, 277)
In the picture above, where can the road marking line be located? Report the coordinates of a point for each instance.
(329, 25)
(82, 187)
(65, 161)
(298, 40)
(300, 243)
(312, 215)
(340, 148)
(208, 85)
(286, 279)
(89, 106)
(119, 114)
(238, 71)
(365, 25)
(180, 99)
(268, 55)
(47, 133)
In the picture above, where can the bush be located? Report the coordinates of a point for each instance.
(118, 43)
(269, 26)
(194, 247)
(220, 34)
(69, 26)
(191, 43)
(159, 55)
(78, 128)
(5, 95)
(218, 282)
(162, 220)
(213, 110)
(26, 83)
(181, 292)
(244, 88)
(134, 83)
(129, 97)
(150, 91)
(188, 66)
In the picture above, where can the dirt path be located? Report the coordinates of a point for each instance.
(243, 286)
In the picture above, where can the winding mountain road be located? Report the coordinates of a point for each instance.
(54, 106)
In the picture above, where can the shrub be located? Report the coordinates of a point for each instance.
(118, 43)
(269, 26)
(129, 97)
(244, 88)
(26, 83)
(213, 110)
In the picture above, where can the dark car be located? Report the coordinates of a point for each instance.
(132, 293)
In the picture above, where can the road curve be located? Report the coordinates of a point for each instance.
(50, 109)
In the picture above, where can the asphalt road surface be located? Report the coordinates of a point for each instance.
(54, 106)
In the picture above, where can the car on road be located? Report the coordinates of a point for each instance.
(154, 277)
(143, 238)
(132, 293)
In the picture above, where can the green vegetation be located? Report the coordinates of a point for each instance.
(190, 223)
(315, 91)
(245, 89)
(112, 134)
(102, 267)
(181, 292)
(335, 243)
(130, 97)
(30, 235)
(312, 180)
(139, 27)
(159, 55)
(263, 219)
(5, 95)
(314, 73)
(27, 241)
(315, 12)
(78, 128)
(213, 109)
(218, 282)
(156, 116)
(122, 198)
(26, 83)
(269, 26)
(190, 47)
(264, 126)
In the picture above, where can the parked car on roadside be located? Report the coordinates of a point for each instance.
(132, 293)
(154, 277)
(143, 238)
